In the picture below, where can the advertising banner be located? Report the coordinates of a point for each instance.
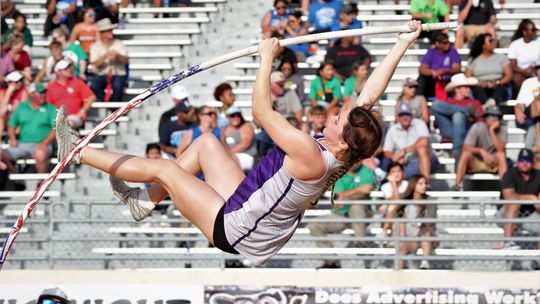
(368, 295)
(108, 294)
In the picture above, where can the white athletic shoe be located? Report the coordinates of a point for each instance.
(129, 196)
(66, 137)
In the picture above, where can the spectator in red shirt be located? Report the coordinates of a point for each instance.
(71, 92)
(11, 96)
(453, 115)
(15, 54)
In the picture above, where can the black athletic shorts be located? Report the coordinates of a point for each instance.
(220, 240)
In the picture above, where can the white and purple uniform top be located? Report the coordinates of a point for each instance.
(267, 207)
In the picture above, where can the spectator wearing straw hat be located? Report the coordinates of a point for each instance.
(71, 92)
(407, 142)
(53, 296)
(35, 119)
(520, 183)
(528, 99)
(108, 59)
(455, 115)
(484, 147)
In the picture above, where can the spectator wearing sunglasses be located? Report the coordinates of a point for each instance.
(240, 138)
(275, 20)
(34, 119)
(85, 31)
(207, 119)
(492, 70)
(53, 296)
(437, 66)
(71, 92)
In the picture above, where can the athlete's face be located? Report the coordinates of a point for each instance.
(334, 126)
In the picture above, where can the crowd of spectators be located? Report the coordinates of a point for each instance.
(87, 64)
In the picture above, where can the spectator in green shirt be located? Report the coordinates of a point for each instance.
(429, 11)
(354, 185)
(35, 119)
(19, 27)
(325, 89)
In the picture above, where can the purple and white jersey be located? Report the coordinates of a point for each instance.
(266, 208)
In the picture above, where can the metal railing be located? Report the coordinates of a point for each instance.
(57, 236)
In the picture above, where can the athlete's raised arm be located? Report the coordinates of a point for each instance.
(298, 146)
(379, 79)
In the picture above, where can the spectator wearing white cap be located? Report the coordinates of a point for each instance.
(108, 59)
(71, 92)
(240, 138)
(407, 142)
(179, 95)
(34, 119)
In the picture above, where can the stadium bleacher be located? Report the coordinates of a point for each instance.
(78, 226)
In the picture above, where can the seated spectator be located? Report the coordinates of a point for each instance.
(46, 72)
(356, 184)
(316, 121)
(429, 11)
(407, 142)
(85, 31)
(532, 141)
(11, 96)
(344, 54)
(111, 10)
(275, 20)
(492, 70)
(455, 115)
(484, 148)
(15, 58)
(293, 80)
(296, 28)
(60, 12)
(207, 118)
(354, 84)
(19, 27)
(416, 190)
(72, 51)
(153, 151)
(172, 132)
(325, 89)
(348, 21)
(179, 95)
(322, 14)
(528, 100)
(284, 101)
(108, 59)
(523, 53)
(417, 103)
(240, 138)
(393, 190)
(71, 92)
(285, 54)
(520, 183)
(438, 65)
(478, 17)
(34, 119)
(224, 93)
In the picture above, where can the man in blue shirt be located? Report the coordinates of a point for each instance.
(322, 14)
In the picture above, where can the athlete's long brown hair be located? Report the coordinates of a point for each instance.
(363, 134)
